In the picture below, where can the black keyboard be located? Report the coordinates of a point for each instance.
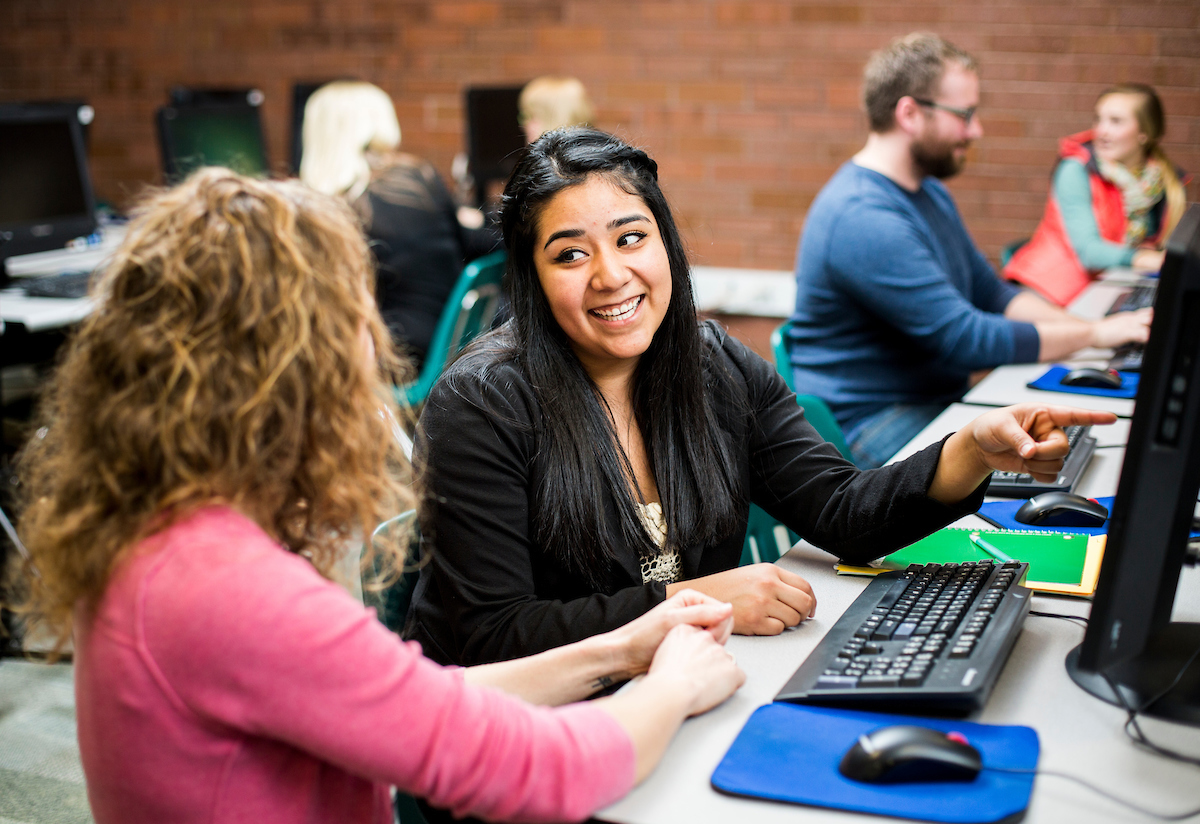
(1016, 485)
(1128, 358)
(66, 285)
(932, 639)
(1139, 297)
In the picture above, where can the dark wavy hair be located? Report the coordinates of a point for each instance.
(580, 455)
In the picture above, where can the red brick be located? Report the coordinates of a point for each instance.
(710, 145)
(569, 39)
(641, 92)
(1180, 45)
(756, 13)
(677, 67)
(466, 14)
(828, 13)
(844, 94)
(711, 92)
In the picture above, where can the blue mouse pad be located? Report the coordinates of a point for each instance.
(791, 753)
(1051, 381)
(1003, 514)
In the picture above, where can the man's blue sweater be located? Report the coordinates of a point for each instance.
(894, 304)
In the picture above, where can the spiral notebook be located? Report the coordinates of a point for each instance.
(1059, 562)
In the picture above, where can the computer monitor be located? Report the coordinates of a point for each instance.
(494, 134)
(1131, 641)
(45, 187)
(301, 91)
(211, 133)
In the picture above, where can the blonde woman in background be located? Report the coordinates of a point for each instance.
(548, 103)
(351, 141)
(1114, 200)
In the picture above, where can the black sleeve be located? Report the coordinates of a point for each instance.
(803, 481)
(485, 594)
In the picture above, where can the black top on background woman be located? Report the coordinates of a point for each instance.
(602, 449)
(417, 238)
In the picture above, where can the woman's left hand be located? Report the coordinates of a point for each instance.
(1027, 438)
(637, 641)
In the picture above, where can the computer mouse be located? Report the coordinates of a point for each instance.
(901, 754)
(1061, 509)
(1093, 378)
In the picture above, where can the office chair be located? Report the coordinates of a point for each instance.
(391, 607)
(391, 604)
(816, 410)
(766, 538)
(1011, 249)
(469, 310)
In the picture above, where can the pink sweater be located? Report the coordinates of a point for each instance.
(221, 679)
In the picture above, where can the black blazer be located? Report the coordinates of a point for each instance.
(488, 593)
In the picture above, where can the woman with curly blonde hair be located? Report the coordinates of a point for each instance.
(218, 431)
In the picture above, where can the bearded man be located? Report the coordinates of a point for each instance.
(895, 305)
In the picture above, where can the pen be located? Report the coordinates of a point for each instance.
(989, 549)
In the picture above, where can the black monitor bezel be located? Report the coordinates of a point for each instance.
(1131, 640)
(166, 114)
(27, 237)
(486, 163)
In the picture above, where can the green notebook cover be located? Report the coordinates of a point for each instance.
(1059, 562)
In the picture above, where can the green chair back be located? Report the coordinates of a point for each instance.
(391, 604)
(469, 310)
(816, 410)
(1011, 249)
(766, 538)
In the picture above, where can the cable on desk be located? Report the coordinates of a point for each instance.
(1138, 736)
(1132, 728)
(1081, 619)
(1100, 791)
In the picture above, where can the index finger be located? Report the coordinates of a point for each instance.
(1073, 416)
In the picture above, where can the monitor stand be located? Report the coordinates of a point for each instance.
(1143, 677)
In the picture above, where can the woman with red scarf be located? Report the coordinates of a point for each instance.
(1114, 200)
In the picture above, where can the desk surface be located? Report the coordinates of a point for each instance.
(1005, 385)
(40, 314)
(1080, 735)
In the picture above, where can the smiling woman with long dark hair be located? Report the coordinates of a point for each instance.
(601, 451)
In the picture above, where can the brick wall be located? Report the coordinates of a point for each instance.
(748, 106)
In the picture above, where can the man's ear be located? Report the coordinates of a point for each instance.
(910, 116)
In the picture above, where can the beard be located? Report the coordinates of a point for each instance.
(936, 158)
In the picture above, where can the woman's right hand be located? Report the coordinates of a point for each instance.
(1148, 260)
(766, 599)
(700, 666)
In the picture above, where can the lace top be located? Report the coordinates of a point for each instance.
(665, 566)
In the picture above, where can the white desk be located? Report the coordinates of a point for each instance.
(1005, 385)
(40, 314)
(1079, 734)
